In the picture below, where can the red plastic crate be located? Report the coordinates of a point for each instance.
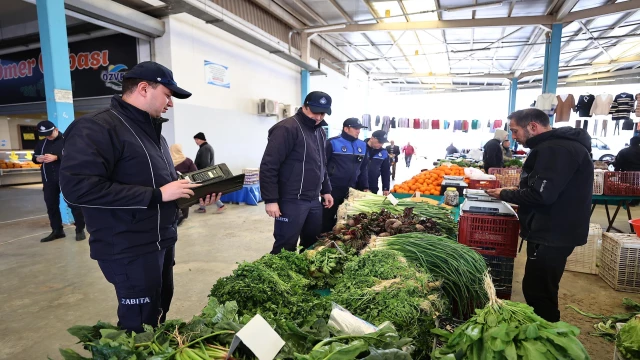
(490, 235)
(483, 184)
(625, 183)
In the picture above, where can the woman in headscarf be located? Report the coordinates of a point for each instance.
(183, 165)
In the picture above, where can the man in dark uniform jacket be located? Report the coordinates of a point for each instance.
(118, 167)
(379, 166)
(48, 152)
(394, 151)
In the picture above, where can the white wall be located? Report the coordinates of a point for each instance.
(5, 136)
(228, 117)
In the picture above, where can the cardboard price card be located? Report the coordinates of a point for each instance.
(260, 338)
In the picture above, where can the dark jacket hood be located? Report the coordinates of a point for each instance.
(309, 121)
(578, 135)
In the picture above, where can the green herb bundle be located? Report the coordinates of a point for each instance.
(460, 268)
(510, 330)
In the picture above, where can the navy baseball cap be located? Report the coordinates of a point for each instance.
(318, 102)
(45, 128)
(152, 71)
(381, 136)
(354, 123)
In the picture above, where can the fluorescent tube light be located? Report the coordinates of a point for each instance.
(154, 2)
(475, 7)
(324, 28)
(600, 80)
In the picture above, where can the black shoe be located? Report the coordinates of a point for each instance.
(180, 220)
(56, 234)
(80, 235)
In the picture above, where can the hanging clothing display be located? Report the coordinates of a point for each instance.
(604, 128)
(627, 124)
(601, 105)
(497, 124)
(377, 120)
(425, 124)
(392, 124)
(585, 102)
(566, 104)
(416, 123)
(547, 102)
(446, 124)
(386, 123)
(465, 125)
(585, 125)
(595, 127)
(578, 124)
(622, 106)
(475, 124)
(637, 105)
(366, 120)
(489, 124)
(435, 124)
(616, 127)
(457, 125)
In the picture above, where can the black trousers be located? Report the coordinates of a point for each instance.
(52, 200)
(144, 287)
(329, 215)
(300, 219)
(407, 159)
(393, 170)
(542, 274)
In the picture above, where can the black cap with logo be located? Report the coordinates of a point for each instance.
(45, 128)
(152, 71)
(318, 102)
(381, 136)
(354, 123)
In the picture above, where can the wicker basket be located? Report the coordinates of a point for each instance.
(508, 177)
(620, 261)
(584, 258)
(598, 182)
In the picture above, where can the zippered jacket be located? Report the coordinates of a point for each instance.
(347, 161)
(114, 163)
(294, 163)
(49, 171)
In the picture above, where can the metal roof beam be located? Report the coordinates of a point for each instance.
(565, 9)
(606, 33)
(602, 75)
(600, 11)
(594, 40)
(437, 76)
(448, 24)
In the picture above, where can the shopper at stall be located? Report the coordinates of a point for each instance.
(347, 162)
(205, 158)
(48, 152)
(379, 160)
(408, 151)
(116, 167)
(452, 149)
(293, 174)
(492, 156)
(507, 154)
(394, 152)
(183, 165)
(628, 159)
(554, 201)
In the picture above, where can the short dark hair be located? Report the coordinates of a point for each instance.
(635, 141)
(524, 117)
(129, 85)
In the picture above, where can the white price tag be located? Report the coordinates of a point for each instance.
(260, 338)
(392, 199)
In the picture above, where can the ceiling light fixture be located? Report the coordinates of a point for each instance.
(323, 28)
(155, 2)
(600, 80)
(475, 7)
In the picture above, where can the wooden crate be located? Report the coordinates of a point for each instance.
(584, 258)
(620, 261)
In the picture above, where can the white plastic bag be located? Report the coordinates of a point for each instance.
(348, 323)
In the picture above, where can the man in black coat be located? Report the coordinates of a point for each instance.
(493, 156)
(48, 152)
(205, 158)
(394, 151)
(293, 174)
(628, 159)
(555, 203)
(117, 168)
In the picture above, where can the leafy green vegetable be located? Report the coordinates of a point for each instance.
(628, 339)
(606, 327)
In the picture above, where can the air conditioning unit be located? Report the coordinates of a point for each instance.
(267, 107)
(286, 111)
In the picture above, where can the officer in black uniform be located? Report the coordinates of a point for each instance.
(379, 162)
(347, 166)
(117, 167)
(48, 152)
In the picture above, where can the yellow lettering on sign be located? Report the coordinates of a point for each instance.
(29, 136)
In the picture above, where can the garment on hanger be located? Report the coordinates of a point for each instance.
(366, 120)
(585, 102)
(585, 125)
(465, 125)
(604, 128)
(637, 105)
(425, 124)
(564, 107)
(446, 124)
(601, 105)
(489, 124)
(622, 106)
(578, 124)
(386, 123)
(435, 124)
(547, 102)
(627, 124)
(393, 123)
(497, 124)
(416, 123)
(457, 125)
(595, 127)
(475, 124)
(377, 120)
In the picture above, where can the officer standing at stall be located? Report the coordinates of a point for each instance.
(48, 152)
(116, 167)
(347, 165)
(379, 162)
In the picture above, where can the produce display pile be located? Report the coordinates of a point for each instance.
(628, 339)
(510, 330)
(460, 162)
(428, 182)
(606, 328)
(513, 163)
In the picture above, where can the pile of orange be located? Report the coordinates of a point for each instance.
(428, 182)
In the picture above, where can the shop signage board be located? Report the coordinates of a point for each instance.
(216, 74)
(97, 68)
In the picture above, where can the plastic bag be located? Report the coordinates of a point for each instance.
(348, 323)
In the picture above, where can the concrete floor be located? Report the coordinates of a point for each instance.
(46, 288)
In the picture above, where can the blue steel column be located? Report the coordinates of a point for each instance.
(552, 61)
(512, 103)
(305, 78)
(57, 76)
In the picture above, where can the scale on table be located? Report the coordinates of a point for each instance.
(453, 181)
(215, 179)
(478, 202)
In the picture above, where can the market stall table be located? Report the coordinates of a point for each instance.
(249, 194)
(620, 200)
